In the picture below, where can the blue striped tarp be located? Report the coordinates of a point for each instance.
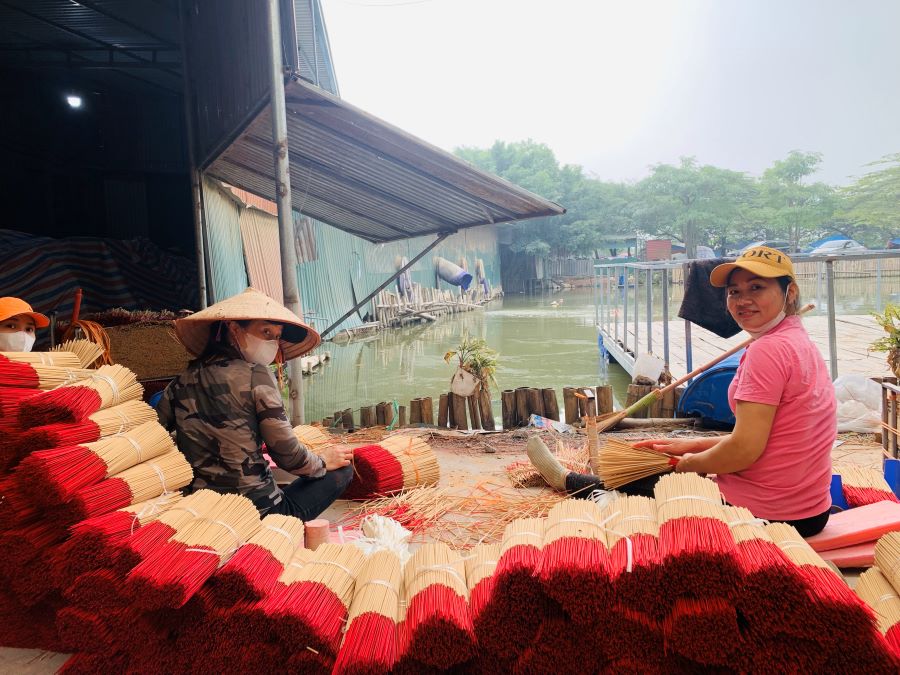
(134, 274)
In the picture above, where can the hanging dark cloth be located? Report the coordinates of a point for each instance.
(703, 303)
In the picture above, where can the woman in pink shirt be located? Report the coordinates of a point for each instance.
(777, 461)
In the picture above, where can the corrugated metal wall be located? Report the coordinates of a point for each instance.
(346, 266)
(262, 252)
(225, 253)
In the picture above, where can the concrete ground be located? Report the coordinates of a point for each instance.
(464, 460)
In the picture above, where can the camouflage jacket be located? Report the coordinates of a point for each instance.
(222, 412)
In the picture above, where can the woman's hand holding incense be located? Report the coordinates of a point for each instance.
(675, 446)
(336, 456)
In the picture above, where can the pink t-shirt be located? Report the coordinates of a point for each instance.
(792, 477)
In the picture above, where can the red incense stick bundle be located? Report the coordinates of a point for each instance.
(102, 388)
(833, 615)
(371, 643)
(115, 420)
(169, 576)
(16, 373)
(480, 566)
(575, 564)
(770, 582)
(862, 485)
(51, 477)
(632, 532)
(515, 586)
(308, 608)
(695, 543)
(704, 630)
(92, 543)
(877, 592)
(558, 647)
(396, 463)
(438, 625)
(10, 397)
(16, 510)
(631, 640)
(144, 481)
(252, 572)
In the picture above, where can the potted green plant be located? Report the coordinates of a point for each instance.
(890, 343)
(476, 365)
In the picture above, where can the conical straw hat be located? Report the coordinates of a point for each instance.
(297, 338)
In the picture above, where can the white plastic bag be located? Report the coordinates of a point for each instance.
(647, 369)
(859, 404)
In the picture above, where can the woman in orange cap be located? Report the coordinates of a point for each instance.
(226, 405)
(777, 461)
(18, 323)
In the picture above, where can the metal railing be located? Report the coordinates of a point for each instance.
(618, 308)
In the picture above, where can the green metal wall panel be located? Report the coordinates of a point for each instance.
(228, 274)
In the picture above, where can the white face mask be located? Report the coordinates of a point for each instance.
(20, 341)
(258, 350)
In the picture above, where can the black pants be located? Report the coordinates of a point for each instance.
(306, 498)
(581, 485)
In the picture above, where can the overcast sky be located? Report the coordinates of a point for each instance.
(619, 86)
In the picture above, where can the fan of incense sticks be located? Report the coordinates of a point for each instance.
(312, 437)
(308, 608)
(619, 463)
(371, 643)
(103, 388)
(832, 613)
(575, 565)
(34, 376)
(632, 533)
(877, 592)
(59, 359)
(144, 481)
(397, 463)
(81, 552)
(862, 485)
(438, 625)
(86, 351)
(51, 477)
(524, 474)
(695, 543)
(254, 569)
(115, 420)
(169, 576)
(887, 557)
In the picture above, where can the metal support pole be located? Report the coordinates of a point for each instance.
(878, 307)
(832, 336)
(283, 199)
(624, 277)
(665, 314)
(649, 310)
(637, 313)
(196, 194)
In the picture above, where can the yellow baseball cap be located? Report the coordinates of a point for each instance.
(760, 260)
(10, 307)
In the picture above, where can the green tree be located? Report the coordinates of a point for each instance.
(693, 203)
(796, 211)
(870, 210)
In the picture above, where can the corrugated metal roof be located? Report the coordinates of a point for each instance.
(367, 177)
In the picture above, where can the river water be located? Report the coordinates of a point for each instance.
(542, 341)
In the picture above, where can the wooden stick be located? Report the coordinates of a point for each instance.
(535, 402)
(508, 409)
(571, 405)
(604, 399)
(427, 411)
(472, 402)
(415, 411)
(522, 411)
(458, 408)
(551, 405)
(443, 407)
(485, 410)
(401, 416)
(367, 416)
(347, 419)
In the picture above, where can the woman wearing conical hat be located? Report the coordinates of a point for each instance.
(226, 405)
